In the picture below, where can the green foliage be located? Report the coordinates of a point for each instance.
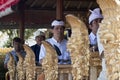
(8, 44)
(29, 32)
(11, 33)
(14, 33)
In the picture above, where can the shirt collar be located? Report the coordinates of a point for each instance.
(56, 40)
(93, 36)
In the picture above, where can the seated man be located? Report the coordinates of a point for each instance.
(36, 48)
(17, 45)
(58, 42)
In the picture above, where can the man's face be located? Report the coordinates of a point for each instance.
(58, 31)
(95, 25)
(39, 39)
(17, 46)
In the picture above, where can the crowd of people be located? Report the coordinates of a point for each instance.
(59, 42)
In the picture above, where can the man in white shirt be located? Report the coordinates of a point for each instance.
(58, 42)
(94, 20)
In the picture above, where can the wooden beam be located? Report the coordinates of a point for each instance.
(33, 3)
(59, 9)
(21, 15)
(65, 9)
(82, 0)
(22, 25)
(31, 17)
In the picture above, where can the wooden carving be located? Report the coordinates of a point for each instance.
(78, 46)
(50, 62)
(109, 33)
(20, 68)
(11, 67)
(29, 63)
(41, 76)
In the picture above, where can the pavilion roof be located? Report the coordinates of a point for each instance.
(40, 13)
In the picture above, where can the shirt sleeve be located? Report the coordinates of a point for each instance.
(42, 52)
(6, 58)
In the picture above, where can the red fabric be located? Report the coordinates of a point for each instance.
(7, 3)
(2, 1)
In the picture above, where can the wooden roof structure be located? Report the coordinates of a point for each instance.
(40, 13)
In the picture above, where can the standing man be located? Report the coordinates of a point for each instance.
(36, 48)
(58, 42)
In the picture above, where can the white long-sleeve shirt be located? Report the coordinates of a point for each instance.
(93, 39)
(62, 47)
(14, 54)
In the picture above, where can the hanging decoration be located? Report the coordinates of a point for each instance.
(7, 6)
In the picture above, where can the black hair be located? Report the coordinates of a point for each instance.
(17, 39)
(54, 26)
(43, 36)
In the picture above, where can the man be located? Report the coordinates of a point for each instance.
(17, 45)
(58, 42)
(94, 20)
(36, 48)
